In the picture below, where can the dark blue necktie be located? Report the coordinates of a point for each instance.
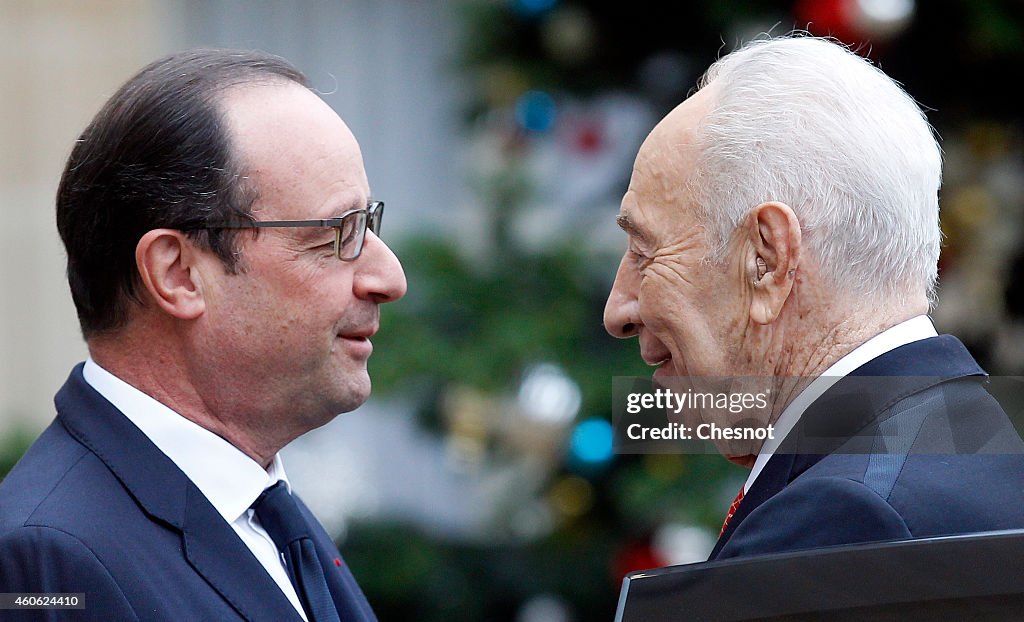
(280, 516)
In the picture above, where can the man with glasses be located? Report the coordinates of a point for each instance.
(224, 259)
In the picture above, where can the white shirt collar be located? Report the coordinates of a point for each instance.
(229, 479)
(909, 331)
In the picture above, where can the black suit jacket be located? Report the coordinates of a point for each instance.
(95, 507)
(909, 445)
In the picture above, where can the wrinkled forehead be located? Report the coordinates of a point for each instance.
(669, 155)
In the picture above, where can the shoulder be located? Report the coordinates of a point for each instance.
(37, 559)
(56, 480)
(38, 474)
(61, 484)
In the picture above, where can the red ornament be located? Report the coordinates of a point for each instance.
(635, 556)
(589, 139)
(828, 18)
(856, 22)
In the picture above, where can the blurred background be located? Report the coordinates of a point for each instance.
(479, 482)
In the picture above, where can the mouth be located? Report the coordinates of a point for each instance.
(362, 334)
(657, 362)
(360, 331)
(358, 340)
(655, 354)
(662, 365)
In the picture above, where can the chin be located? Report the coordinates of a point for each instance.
(331, 410)
(352, 394)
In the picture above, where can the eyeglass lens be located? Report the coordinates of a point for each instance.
(349, 237)
(376, 214)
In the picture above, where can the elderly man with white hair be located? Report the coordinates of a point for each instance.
(783, 232)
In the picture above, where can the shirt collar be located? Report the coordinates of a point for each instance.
(909, 331)
(229, 479)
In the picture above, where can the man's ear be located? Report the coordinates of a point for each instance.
(166, 260)
(775, 256)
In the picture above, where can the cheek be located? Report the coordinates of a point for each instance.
(668, 315)
(306, 291)
(278, 317)
(663, 302)
(685, 321)
(330, 300)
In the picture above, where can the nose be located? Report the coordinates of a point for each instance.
(622, 311)
(379, 277)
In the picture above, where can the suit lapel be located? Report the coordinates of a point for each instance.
(349, 600)
(215, 551)
(166, 495)
(858, 401)
(772, 479)
(150, 477)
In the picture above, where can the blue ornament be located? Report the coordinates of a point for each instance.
(592, 442)
(531, 8)
(536, 111)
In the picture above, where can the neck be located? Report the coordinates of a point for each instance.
(156, 367)
(815, 337)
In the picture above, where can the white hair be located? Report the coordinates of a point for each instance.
(807, 122)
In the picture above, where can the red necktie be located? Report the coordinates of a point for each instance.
(732, 510)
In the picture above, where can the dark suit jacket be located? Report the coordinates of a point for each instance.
(95, 507)
(909, 445)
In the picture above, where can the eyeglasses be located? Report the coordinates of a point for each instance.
(349, 228)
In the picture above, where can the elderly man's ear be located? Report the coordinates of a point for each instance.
(168, 264)
(774, 249)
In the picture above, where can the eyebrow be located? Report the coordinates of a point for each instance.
(626, 224)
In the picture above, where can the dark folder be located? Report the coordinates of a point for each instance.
(969, 577)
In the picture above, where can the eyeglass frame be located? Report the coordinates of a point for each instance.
(372, 215)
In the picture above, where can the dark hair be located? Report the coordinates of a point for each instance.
(156, 155)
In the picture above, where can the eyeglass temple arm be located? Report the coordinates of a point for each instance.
(263, 224)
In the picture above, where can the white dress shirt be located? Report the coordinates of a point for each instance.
(914, 329)
(229, 479)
